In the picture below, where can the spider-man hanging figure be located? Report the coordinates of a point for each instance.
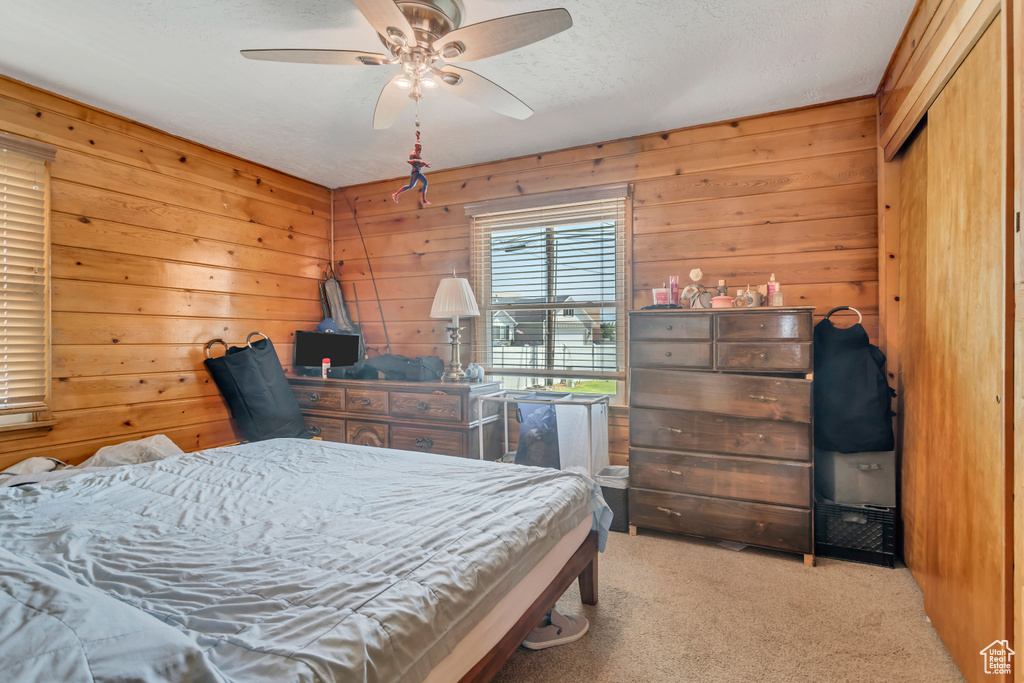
(417, 175)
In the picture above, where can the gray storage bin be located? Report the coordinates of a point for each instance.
(867, 478)
(614, 483)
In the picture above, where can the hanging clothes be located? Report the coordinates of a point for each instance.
(852, 399)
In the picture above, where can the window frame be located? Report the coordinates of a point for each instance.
(622, 305)
(40, 416)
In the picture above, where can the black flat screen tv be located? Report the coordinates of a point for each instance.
(312, 347)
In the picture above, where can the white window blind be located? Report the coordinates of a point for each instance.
(24, 343)
(551, 288)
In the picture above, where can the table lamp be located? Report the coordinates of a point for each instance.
(454, 298)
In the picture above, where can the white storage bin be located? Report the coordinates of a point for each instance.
(867, 478)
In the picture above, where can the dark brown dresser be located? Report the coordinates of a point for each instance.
(720, 433)
(428, 417)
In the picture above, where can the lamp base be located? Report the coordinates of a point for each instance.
(454, 372)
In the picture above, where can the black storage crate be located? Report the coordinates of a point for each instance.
(859, 533)
(618, 501)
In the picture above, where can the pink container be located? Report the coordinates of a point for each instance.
(722, 301)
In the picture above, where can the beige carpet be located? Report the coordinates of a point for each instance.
(678, 609)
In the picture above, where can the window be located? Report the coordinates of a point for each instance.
(24, 282)
(550, 283)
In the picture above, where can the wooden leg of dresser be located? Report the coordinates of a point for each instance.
(808, 560)
(632, 530)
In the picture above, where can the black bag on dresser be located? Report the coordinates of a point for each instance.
(852, 399)
(254, 385)
(399, 368)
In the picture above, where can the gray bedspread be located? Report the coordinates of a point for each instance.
(285, 560)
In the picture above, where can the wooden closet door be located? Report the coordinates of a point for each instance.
(962, 354)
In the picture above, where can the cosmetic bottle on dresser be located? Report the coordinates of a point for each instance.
(770, 294)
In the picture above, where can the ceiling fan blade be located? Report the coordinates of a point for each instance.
(391, 103)
(493, 37)
(385, 17)
(343, 57)
(475, 88)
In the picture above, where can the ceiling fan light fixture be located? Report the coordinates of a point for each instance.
(428, 82)
(404, 82)
(452, 50)
(397, 37)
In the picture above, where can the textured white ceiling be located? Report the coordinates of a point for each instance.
(626, 67)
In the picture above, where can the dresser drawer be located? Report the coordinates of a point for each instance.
(771, 526)
(367, 434)
(752, 326)
(426, 406)
(317, 398)
(721, 476)
(770, 398)
(366, 401)
(424, 440)
(671, 355)
(327, 428)
(710, 433)
(670, 327)
(766, 356)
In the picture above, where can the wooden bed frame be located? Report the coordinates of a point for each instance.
(582, 566)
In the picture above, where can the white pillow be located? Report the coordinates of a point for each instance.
(31, 466)
(151, 448)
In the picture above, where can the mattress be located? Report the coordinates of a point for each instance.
(281, 560)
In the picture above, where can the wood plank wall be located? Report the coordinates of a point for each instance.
(159, 244)
(791, 193)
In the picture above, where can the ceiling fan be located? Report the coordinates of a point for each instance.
(425, 37)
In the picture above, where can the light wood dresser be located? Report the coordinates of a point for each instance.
(427, 417)
(720, 433)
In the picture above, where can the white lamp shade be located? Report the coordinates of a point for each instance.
(454, 297)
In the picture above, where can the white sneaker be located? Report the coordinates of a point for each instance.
(562, 629)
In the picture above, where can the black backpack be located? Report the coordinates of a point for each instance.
(852, 399)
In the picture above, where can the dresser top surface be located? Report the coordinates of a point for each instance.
(448, 387)
(692, 311)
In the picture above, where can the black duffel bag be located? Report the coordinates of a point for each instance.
(254, 385)
(419, 369)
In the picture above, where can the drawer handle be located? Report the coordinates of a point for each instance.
(315, 430)
(668, 327)
(762, 397)
(761, 437)
(671, 429)
(425, 444)
(314, 397)
(423, 405)
(660, 469)
(365, 401)
(668, 354)
(670, 512)
(762, 356)
(762, 326)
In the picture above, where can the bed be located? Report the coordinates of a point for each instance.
(289, 560)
